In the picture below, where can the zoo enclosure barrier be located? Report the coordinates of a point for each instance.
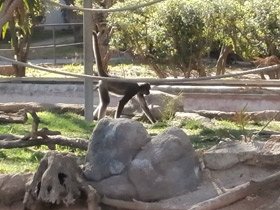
(54, 37)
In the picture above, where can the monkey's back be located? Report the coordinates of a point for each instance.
(122, 88)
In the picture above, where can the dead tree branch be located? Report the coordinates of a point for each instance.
(18, 117)
(79, 143)
(44, 132)
(41, 137)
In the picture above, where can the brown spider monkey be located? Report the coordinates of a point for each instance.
(127, 89)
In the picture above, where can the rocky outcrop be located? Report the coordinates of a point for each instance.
(124, 162)
(228, 154)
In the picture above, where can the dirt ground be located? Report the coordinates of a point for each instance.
(213, 185)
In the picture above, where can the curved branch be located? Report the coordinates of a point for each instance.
(105, 10)
(7, 11)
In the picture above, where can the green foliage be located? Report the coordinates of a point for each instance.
(26, 16)
(173, 32)
(263, 25)
(169, 33)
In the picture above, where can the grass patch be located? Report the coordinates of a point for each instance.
(19, 160)
(69, 124)
(27, 159)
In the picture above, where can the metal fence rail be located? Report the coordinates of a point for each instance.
(54, 45)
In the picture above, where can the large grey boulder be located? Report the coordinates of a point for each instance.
(166, 167)
(113, 144)
(124, 162)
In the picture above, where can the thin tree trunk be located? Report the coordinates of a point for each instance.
(157, 70)
(21, 47)
(221, 63)
(200, 67)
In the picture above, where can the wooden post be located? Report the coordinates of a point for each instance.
(88, 61)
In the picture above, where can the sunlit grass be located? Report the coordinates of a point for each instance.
(27, 159)
(19, 160)
(69, 124)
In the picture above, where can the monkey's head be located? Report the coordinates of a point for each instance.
(145, 89)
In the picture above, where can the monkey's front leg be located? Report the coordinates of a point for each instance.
(122, 103)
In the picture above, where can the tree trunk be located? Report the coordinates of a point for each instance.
(221, 63)
(59, 180)
(21, 47)
(200, 67)
(157, 70)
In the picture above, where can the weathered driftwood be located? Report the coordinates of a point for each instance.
(14, 142)
(17, 117)
(59, 180)
(230, 196)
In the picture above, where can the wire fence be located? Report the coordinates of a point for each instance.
(54, 44)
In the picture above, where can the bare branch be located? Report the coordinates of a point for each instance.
(49, 141)
(18, 117)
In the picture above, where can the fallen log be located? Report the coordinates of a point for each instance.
(48, 141)
(18, 117)
(39, 107)
(230, 196)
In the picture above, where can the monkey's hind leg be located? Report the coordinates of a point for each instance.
(95, 112)
(104, 102)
